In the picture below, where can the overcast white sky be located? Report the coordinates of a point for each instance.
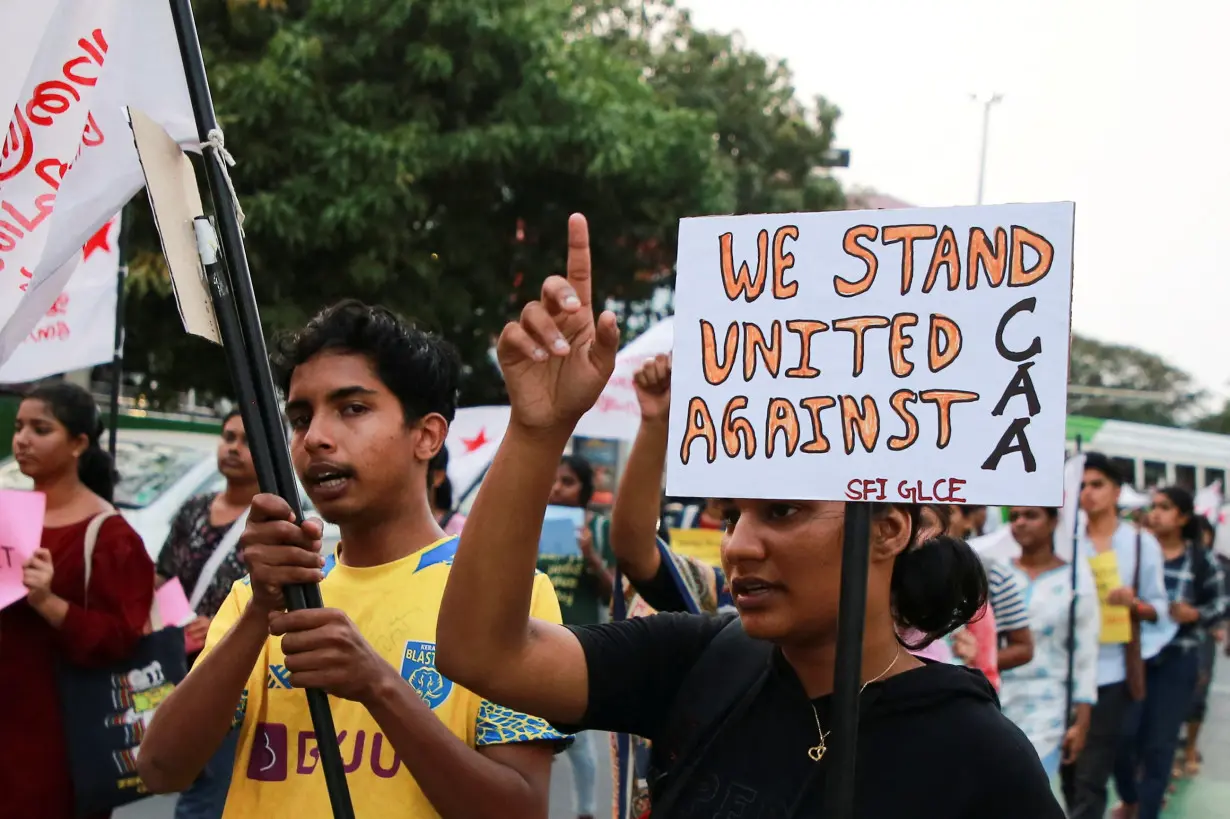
(1119, 106)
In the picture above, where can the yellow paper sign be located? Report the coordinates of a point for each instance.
(1116, 620)
(703, 544)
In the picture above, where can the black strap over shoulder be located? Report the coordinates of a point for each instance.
(1202, 568)
(720, 687)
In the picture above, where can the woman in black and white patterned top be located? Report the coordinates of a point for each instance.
(199, 528)
(202, 523)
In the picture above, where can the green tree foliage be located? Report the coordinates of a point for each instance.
(1129, 384)
(425, 155)
(1217, 421)
(771, 148)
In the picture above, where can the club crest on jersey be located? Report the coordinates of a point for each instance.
(418, 667)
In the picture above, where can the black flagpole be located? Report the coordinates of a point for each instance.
(848, 671)
(244, 343)
(232, 341)
(117, 356)
(462, 499)
(1076, 545)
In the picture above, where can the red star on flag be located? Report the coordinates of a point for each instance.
(98, 241)
(477, 442)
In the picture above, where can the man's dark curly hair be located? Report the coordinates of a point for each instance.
(421, 369)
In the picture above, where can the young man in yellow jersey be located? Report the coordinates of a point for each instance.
(369, 402)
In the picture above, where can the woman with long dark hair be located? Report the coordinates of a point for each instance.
(55, 442)
(738, 708)
(1197, 602)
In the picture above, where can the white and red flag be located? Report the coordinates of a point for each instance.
(68, 70)
(78, 331)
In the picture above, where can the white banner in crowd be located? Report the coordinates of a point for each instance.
(67, 165)
(1071, 518)
(1208, 502)
(1131, 499)
(906, 355)
(473, 438)
(79, 329)
(617, 414)
(476, 432)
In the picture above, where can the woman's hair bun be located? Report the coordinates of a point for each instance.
(938, 586)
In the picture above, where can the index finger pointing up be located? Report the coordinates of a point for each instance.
(578, 257)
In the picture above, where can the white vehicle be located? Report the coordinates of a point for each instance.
(159, 471)
(1151, 456)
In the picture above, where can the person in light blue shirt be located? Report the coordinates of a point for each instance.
(1155, 633)
(1085, 781)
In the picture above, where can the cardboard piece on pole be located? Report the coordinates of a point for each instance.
(176, 201)
(897, 356)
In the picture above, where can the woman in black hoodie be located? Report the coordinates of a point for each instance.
(737, 711)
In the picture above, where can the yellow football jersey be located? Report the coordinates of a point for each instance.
(395, 608)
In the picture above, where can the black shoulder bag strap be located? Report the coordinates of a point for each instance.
(1199, 563)
(720, 687)
(1133, 662)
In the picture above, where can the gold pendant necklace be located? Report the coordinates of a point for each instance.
(817, 751)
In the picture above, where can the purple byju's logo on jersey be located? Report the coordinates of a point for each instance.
(270, 750)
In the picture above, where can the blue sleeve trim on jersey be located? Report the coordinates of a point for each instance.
(438, 554)
(241, 710)
(497, 725)
(330, 562)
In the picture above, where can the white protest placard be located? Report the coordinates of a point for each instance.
(902, 356)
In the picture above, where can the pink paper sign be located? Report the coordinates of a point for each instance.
(173, 604)
(21, 532)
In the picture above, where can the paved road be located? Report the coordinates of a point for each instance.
(1206, 797)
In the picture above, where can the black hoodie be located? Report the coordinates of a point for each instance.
(932, 741)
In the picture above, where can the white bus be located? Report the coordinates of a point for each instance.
(1151, 456)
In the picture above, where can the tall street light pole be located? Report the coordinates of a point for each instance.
(986, 124)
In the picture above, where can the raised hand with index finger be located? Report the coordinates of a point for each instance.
(556, 359)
